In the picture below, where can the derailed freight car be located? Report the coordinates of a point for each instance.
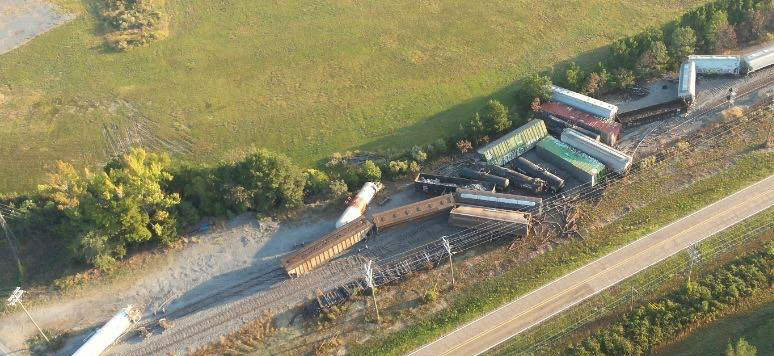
(582, 102)
(500, 183)
(437, 185)
(609, 131)
(524, 165)
(686, 88)
(514, 143)
(518, 180)
(415, 211)
(758, 60)
(610, 157)
(495, 221)
(716, 65)
(578, 164)
(499, 201)
(326, 248)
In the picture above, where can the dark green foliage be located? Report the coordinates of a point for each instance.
(575, 78)
(653, 62)
(317, 182)
(536, 86)
(623, 79)
(494, 117)
(654, 323)
(337, 189)
(474, 129)
(682, 44)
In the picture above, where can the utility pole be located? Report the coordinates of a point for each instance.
(369, 274)
(14, 299)
(12, 242)
(447, 246)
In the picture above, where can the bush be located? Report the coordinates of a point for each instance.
(317, 182)
(132, 23)
(654, 61)
(398, 168)
(431, 295)
(417, 154)
(464, 146)
(414, 167)
(494, 118)
(624, 79)
(682, 44)
(263, 181)
(337, 189)
(536, 86)
(575, 77)
(371, 172)
(440, 146)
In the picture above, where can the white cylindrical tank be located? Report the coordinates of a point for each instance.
(610, 157)
(109, 333)
(359, 204)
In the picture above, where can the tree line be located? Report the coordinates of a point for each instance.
(656, 323)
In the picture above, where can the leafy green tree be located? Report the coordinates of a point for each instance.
(575, 77)
(742, 348)
(654, 61)
(752, 27)
(495, 117)
(624, 78)
(317, 182)
(474, 129)
(337, 189)
(371, 171)
(537, 86)
(682, 43)
(718, 34)
(264, 181)
(123, 205)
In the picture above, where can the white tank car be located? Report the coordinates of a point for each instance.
(359, 203)
(109, 333)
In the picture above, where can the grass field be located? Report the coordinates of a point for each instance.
(306, 78)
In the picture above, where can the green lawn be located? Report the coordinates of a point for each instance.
(302, 77)
(756, 326)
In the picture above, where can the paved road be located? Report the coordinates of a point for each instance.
(529, 310)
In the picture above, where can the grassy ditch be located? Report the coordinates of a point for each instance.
(495, 291)
(656, 282)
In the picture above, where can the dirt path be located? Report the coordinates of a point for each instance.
(23, 20)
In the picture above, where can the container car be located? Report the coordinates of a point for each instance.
(499, 200)
(496, 221)
(716, 65)
(610, 157)
(501, 183)
(582, 102)
(514, 143)
(578, 164)
(758, 60)
(437, 185)
(609, 131)
(414, 211)
(523, 165)
(686, 88)
(518, 180)
(326, 248)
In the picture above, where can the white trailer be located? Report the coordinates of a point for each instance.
(610, 157)
(359, 203)
(687, 87)
(717, 65)
(579, 101)
(758, 60)
(109, 333)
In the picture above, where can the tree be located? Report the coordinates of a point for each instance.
(718, 34)
(371, 171)
(337, 189)
(742, 348)
(124, 204)
(495, 117)
(653, 61)
(624, 78)
(264, 181)
(317, 182)
(474, 129)
(537, 86)
(595, 83)
(752, 27)
(682, 44)
(575, 77)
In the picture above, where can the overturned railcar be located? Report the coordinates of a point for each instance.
(716, 65)
(758, 60)
(415, 211)
(610, 157)
(491, 220)
(686, 88)
(326, 248)
(588, 104)
(560, 114)
(518, 180)
(578, 164)
(525, 166)
(514, 143)
(437, 185)
(501, 183)
(499, 201)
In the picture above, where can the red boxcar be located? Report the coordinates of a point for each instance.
(609, 131)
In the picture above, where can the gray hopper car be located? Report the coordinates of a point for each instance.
(501, 183)
(523, 165)
(496, 221)
(518, 180)
(499, 201)
(437, 185)
(758, 60)
(326, 248)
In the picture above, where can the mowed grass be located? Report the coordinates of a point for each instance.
(306, 78)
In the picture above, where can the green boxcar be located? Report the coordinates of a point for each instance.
(578, 164)
(514, 143)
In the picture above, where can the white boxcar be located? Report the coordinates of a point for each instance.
(610, 157)
(716, 64)
(758, 60)
(686, 89)
(585, 103)
(109, 333)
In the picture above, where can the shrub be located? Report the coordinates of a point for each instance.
(653, 61)
(132, 23)
(575, 77)
(417, 154)
(624, 78)
(536, 86)
(431, 295)
(337, 189)
(414, 167)
(398, 168)
(264, 181)
(464, 146)
(371, 172)
(474, 129)
(440, 146)
(317, 182)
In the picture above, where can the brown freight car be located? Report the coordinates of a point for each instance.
(493, 220)
(415, 211)
(326, 248)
